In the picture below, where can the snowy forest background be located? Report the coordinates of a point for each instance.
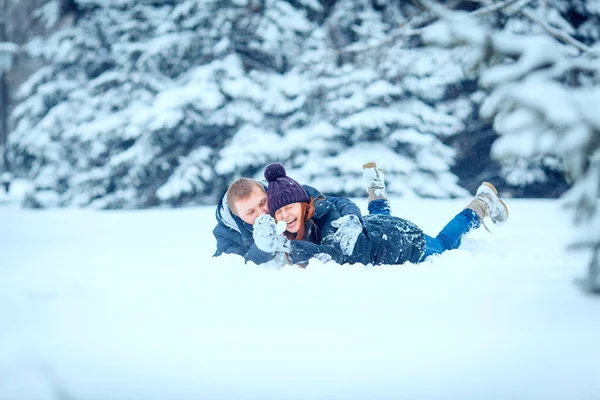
(133, 104)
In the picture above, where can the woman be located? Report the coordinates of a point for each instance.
(312, 226)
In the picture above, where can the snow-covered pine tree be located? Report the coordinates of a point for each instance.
(138, 99)
(544, 89)
(541, 174)
(373, 99)
(165, 102)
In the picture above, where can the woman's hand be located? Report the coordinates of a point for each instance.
(268, 237)
(349, 227)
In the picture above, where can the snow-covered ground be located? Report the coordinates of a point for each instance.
(131, 305)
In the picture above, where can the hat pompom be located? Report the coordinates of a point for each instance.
(274, 171)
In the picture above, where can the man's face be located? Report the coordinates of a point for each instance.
(253, 206)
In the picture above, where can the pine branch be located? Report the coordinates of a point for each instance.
(432, 7)
(557, 33)
(409, 32)
(405, 32)
(494, 7)
(490, 7)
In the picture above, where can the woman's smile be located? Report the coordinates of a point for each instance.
(290, 214)
(291, 224)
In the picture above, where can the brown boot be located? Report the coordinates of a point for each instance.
(374, 182)
(487, 204)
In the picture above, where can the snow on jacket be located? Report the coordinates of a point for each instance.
(234, 236)
(385, 239)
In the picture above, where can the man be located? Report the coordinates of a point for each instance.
(246, 200)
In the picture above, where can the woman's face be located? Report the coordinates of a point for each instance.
(290, 214)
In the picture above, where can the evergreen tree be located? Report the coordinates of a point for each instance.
(540, 175)
(544, 90)
(166, 102)
(352, 105)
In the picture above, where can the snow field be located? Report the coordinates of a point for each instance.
(130, 304)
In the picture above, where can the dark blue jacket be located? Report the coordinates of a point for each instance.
(234, 236)
(385, 239)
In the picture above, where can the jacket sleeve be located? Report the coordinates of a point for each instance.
(257, 256)
(254, 254)
(226, 245)
(345, 206)
(302, 251)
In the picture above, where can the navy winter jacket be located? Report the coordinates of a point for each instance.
(385, 239)
(234, 236)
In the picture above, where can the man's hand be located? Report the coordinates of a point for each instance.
(268, 237)
(349, 227)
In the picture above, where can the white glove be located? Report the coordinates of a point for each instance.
(268, 235)
(349, 227)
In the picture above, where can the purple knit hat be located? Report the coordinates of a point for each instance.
(282, 189)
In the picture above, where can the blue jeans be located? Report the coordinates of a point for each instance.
(381, 207)
(449, 238)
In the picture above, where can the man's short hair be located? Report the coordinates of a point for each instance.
(241, 189)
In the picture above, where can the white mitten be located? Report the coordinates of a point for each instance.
(349, 227)
(268, 236)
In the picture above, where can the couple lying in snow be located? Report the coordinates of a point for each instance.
(284, 221)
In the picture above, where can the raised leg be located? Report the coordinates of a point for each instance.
(450, 237)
